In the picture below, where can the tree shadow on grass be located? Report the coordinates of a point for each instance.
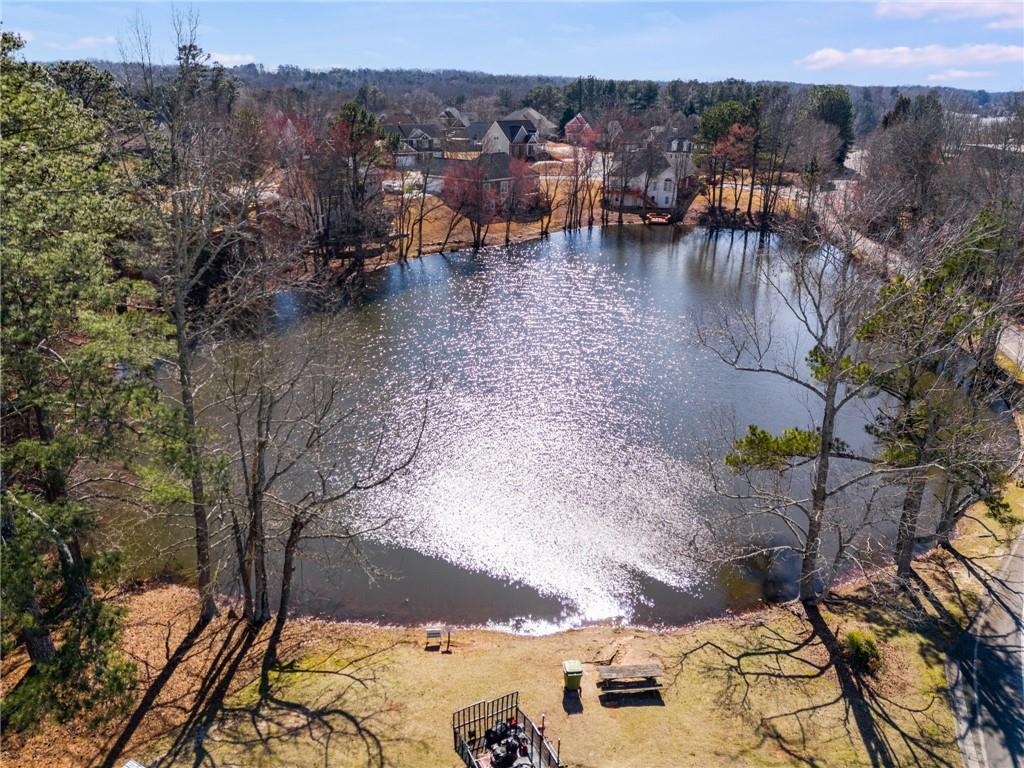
(226, 716)
(892, 733)
(291, 711)
(145, 707)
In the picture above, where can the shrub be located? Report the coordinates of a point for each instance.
(862, 650)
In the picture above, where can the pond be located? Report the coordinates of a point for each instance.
(569, 403)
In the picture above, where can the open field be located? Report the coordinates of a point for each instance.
(767, 688)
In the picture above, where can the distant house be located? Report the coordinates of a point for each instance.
(467, 139)
(451, 117)
(642, 180)
(544, 127)
(416, 142)
(678, 145)
(517, 138)
(580, 130)
(393, 118)
(497, 178)
(679, 152)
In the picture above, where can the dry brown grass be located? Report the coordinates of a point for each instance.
(759, 689)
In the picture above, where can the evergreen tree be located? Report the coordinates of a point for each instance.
(832, 104)
(77, 358)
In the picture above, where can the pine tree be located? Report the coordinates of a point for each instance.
(77, 360)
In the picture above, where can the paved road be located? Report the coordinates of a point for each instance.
(1011, 344)
(986, 674)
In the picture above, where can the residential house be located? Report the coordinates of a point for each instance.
(679, 152)
(517, 138)
(467, 139)
(451, 118)
(544, 127)
(416, 142)
(394, 118)
(645, 179)
(580, 130)
(498, 178)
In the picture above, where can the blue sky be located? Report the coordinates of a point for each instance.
(965, 43)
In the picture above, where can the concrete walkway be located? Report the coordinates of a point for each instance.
(985, 671)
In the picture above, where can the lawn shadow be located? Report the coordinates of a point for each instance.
(238, 708)
(282, 711)
(988, 660)
(146, 705)
(891, 732)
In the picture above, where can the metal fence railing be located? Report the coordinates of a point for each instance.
(470, 724)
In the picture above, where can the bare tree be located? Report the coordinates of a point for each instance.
(201, 204)
(829, 298)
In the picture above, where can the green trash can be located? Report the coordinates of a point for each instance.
(572, 672)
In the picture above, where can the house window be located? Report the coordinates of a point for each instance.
(504, 187)
(668, 185)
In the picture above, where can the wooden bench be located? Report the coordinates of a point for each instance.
(630, 678)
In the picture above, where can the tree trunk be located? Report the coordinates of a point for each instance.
(199, 512)
(819, 496)
(291, 548)
(906, 534)
(37, 639)
(750, 193)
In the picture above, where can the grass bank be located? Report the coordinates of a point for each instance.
(769, 688)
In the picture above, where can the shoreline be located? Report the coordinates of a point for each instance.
(455, 245)
(409, 693)
(228, 605)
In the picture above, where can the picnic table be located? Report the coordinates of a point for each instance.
(629, 678)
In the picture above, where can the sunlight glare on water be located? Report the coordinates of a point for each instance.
(538, 465)
(558, 479)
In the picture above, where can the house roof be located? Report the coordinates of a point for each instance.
(585, 117)
(646, 161)
(517, 131)
(531, 115)
(471, 132)
(434, 168)
(453, 114)
(407, 130)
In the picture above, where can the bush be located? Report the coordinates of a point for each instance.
(862, 650)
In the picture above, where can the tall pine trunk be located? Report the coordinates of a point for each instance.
(819, 497)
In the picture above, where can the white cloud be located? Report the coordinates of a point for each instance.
(958, 74)
(230, 59)
(903, 57)
(88, 41)
(1004, 15)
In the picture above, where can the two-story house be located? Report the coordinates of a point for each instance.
(546, 128)
(645, 179)
(517, 138)
(416, 142)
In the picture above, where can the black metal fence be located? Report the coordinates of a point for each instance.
(470, 724)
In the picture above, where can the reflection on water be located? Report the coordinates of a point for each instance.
(557, 483)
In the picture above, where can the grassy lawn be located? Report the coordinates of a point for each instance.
(769, 688)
